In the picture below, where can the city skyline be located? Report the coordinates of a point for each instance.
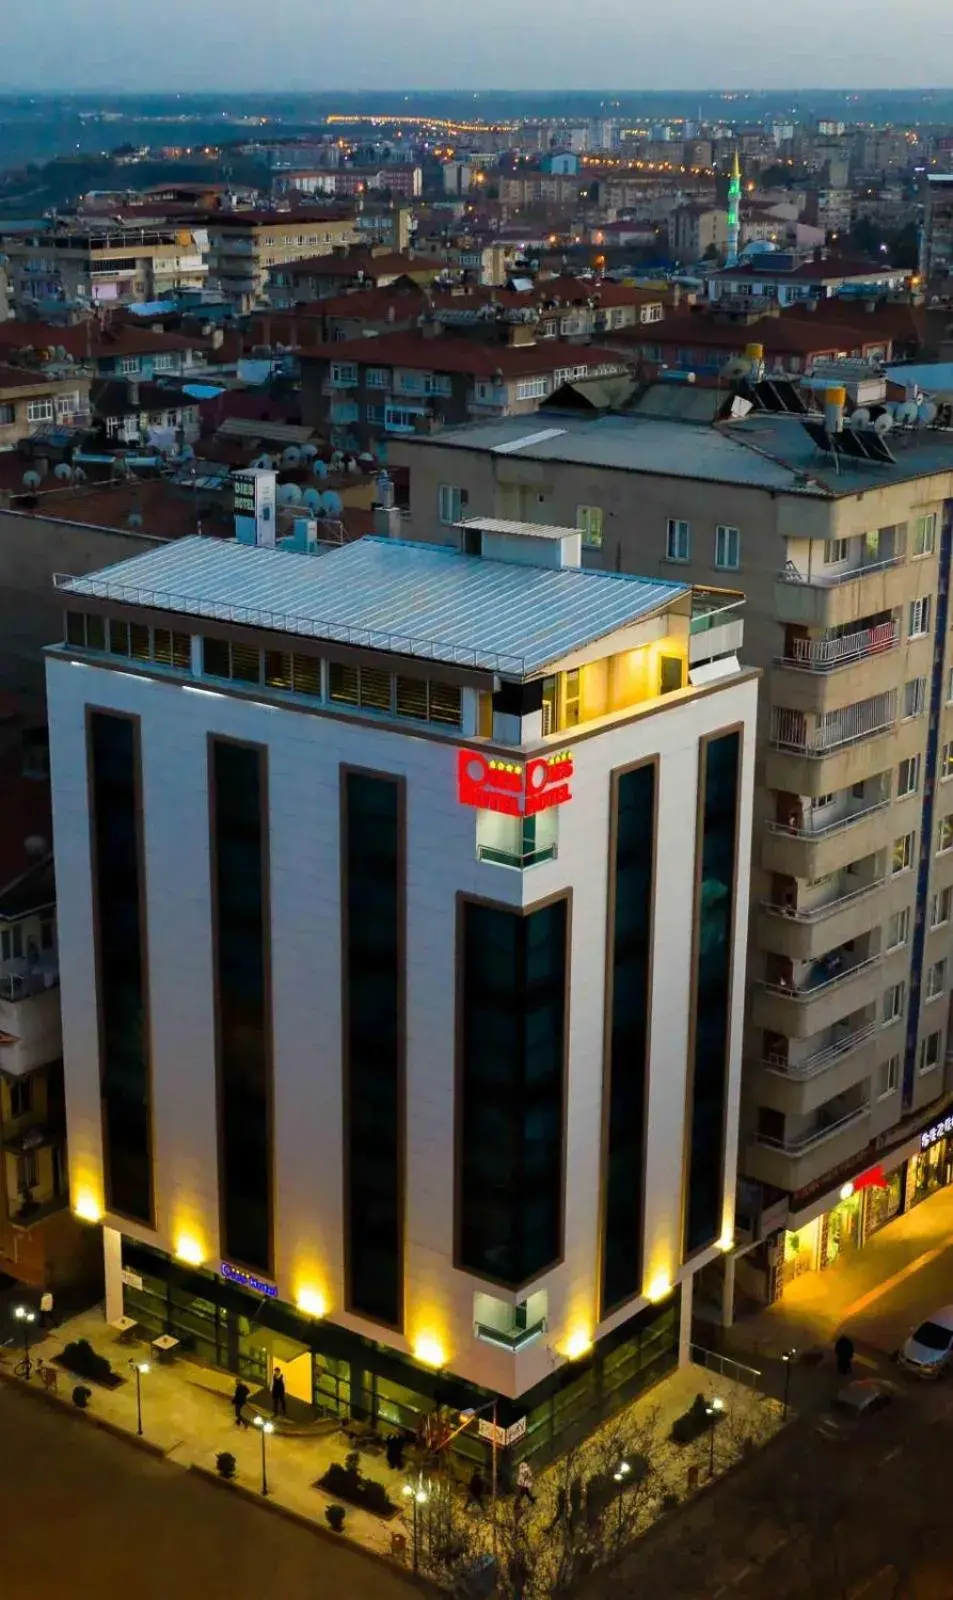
(100, 45)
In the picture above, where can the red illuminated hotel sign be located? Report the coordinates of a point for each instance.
(515, 788)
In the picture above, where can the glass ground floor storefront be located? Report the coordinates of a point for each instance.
(339, 1374)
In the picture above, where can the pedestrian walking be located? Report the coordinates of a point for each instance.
(241, 1394)
(476, 1489)
(524, 1483)
(844, 1354)
(46, 1309)
(278, 1404)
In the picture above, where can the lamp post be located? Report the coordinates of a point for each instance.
(620, 1476)
(468, 1416)
(714, 1406)
(139, 1367)
(418, 1497)
(26, 1318)
(265, 1428)
(787, 1356)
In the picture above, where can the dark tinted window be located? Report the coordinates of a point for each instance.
(630, 968)
(240, 906)
(512, 1087)
(373, 1045)
(714, 914)
(121, 964)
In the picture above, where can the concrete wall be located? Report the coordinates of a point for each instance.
(305, 755)
(32, 549)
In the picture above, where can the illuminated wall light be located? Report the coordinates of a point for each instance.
(659, 1288)
(577, 1345)
(311, 1303)
(727, 1240)
(429, 1352)
(87, 1207)
(189, 1250)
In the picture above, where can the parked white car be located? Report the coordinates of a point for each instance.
(928, 1349)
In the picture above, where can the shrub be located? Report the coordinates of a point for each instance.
(81, 1396)
(226, 1464)
(694, 1422)
(669, 1501)
(334, 1517)
(346, 1482)
(80, 1357)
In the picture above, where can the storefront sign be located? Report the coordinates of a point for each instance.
(131, 1279)
(938, 1131)
(512, 787)
(246, 1280)
(873, 1178)
(504, 1436)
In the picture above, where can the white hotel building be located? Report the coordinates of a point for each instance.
(402, 904)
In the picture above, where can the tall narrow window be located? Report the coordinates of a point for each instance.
(628, 1008)
(716, 850)
(121, 962)
(372, 939)
(240, 919)
(512, 1040)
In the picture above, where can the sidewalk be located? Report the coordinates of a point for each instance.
(846, 1296)
(187, 1415)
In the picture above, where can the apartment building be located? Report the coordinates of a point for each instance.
(366, 391)
(844, 561)
(245, 246)
(378, 891)
(780, 277)
(32, 402)
(936, 239)
(347, 270)
(68, 269)
(695, 231)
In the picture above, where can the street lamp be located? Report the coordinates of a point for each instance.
(139, 1367)
(418, 1497)
(266, 1428)
(787, 1356)
(714, 1406)
(620, 1475)
(467, 1417)
(26, 1318)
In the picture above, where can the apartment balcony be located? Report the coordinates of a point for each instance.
(817, 755)
(877, 581)
(800, 1086)
(827, 673)
(792, 1160)
(30, 1031)
(717, 624)
(841, 982)
(808, 853)
(806, 934)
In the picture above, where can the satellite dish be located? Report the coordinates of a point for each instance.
(320, 468)
(134, 519)
(352, 465)
(31, 480)
(308, 452)
(289, 494)
(883, 424)
(907, 411)
(312, 499)
(63, 471)
(332, 502)
(860, 418)
(926, 412)
(79, 475)
(291, 456)
(35, 845)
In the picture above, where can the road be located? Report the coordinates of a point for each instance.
(83, 1515)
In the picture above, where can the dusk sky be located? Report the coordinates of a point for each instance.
(436, 44)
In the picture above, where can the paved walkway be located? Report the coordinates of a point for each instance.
(187, 1415)
(875, 1294)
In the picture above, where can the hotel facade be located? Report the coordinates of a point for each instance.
(402, 905)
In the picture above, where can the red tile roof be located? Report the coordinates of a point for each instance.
(446, 353)
(779, 335)
(357, 261)
(22, 378)
(88, 341)
(829, 270)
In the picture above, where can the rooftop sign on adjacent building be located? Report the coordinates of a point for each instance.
(515, 788)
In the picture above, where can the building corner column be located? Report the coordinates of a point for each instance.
(685, 1320)
(728, 1291)
(112, 1264)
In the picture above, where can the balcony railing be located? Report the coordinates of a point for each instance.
(791, 573)
(792, 730)
(795, 1144)
(20, 985)
(509, 1338)
(507, 858)
(826, 655)
(831, 827)
(819, 913)
(808, 991)
(820, 1060)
